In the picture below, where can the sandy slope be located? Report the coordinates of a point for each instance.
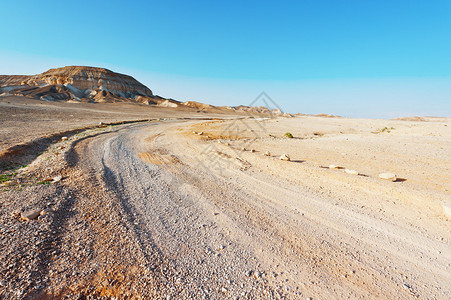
(166, 212)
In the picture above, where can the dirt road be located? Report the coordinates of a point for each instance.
(167, 213)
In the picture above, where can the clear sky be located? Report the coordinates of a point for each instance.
(352, 58)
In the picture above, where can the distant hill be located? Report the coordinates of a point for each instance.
(99, 85)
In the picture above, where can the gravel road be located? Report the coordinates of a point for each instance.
(160, 214)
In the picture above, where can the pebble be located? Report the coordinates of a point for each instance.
(267, 153)
(252, 150)
(64, 138)
(388, 176)
(200, 133)
(333, 167)
(352, 172)
(285, 157)
(57, 178)
(447, 210)
(31, 214)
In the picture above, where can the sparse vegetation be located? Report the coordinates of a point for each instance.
(385, 129)
(288, 135)
(6, 177)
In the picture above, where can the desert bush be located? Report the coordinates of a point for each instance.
(288, 135)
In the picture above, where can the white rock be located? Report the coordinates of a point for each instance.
(243, 149)
(285, 157)
(447, 210)
(388, 176)
(57, 178)
(64, 138)
(352, 172)
(200, 133)
(267, 153)
(333, 167)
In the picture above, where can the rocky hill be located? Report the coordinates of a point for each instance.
(96, 85)
(80, 84)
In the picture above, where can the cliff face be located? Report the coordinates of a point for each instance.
(79, 84)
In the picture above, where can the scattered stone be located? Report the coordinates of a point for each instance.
(223, 290)
(352, 172)
(195, 132)
(200, 133)
(252, 150)
(388, 176)
(447, 210)
(249, 273)
(285, 157)
(64, 138)
(57, 178)
(243, 149)
(101, 123)
(31, 214)
(267, 153)
(333, 167)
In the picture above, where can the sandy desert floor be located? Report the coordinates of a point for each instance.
(155, 209)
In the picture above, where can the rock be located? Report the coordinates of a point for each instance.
(31, 214)
(285, 157)
(333, 167)
(200, 133)
(101, 123)
(223, 290)
(352, 172)
(447, 210)
(267, 153)
(252, 150)
(243, 149)
(388, 176)
(195, 132)
(57, 178)
(64, 138)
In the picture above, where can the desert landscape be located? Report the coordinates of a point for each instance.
(109, 191)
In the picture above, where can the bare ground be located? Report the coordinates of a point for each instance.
(155, 210)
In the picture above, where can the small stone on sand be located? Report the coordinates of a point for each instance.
(333, 167)
(64, 138)
(285, 157)
(352, 172)
(447, 210)
(388, 176)
(267, 153)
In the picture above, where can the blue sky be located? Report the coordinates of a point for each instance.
(352, 58)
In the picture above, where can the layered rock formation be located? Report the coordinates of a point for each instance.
(78, 83)
(90, 84)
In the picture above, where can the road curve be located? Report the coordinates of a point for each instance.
(190, 221)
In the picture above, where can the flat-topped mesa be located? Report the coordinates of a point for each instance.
(78, 83)
(91, 78)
